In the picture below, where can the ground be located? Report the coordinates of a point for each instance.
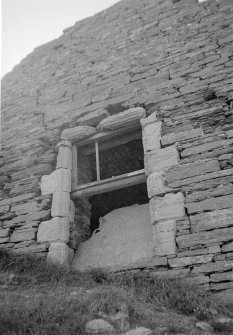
(36, 298)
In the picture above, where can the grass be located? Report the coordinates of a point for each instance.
(45, 299)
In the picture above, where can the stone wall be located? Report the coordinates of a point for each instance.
(173, 59)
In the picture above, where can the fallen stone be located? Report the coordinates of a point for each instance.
(139, 331)
(99, 326)
(77, 133)
(124, 241)
(222, 324)
(205, 326)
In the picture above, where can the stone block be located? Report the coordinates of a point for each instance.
(139, 331)
(156, 184)
(60, 253)
(124, 119)
(225, 201)
(77, 133)
(213, 190)
(227, 247)
(186, 261)
(210, 220)
(229, 133)
(224, 276)
(161, 159)
(58, 181)
(204, 251)
(4, 239)
(64, 158)
(72, 211)
(205, 238)
(151, 135)
(25, 208)
(171, 273)
(93, 118)
(56, 229)
(172, 138)
(219, 266)
(171, 206)
(60, 204)
(164, 238)
(221, 286)
(152, 118)
(4, 232)
(205, 147)
(192, 169)
(63, 143)
(23, 235)
(4, 209)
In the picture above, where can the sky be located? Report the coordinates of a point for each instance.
(26, 24)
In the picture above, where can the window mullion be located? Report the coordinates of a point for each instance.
(97, 161)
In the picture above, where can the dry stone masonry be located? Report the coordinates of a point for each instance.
(165, 66)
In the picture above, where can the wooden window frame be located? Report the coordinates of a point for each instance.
(103, 141)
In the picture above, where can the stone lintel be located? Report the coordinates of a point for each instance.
(123, 119)
(77, 133)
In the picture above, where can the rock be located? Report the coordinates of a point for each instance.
(58, 181)
(205, 147)
(60, 204)
(222, 324)
(99, 326)
(56, 229)
(23, 235)
(227, 247)
(205, 326)
(218, 266)
(225, 201)
(226, 297)
(156, 184)
(139, 331)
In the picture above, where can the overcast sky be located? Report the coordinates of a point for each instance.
(27, 24)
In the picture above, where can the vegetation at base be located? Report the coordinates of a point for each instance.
(44, 299)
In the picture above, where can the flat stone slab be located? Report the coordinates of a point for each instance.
(139, 331)
(99, 326)
(124, 241)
